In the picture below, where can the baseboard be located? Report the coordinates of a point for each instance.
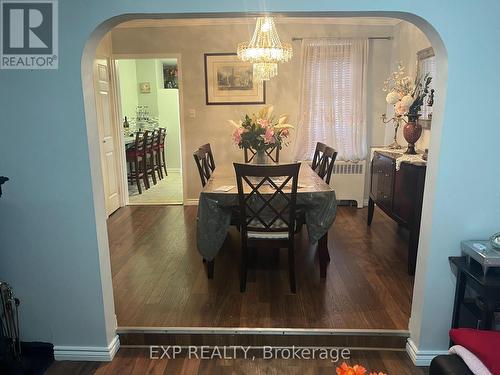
(190, 202)
(365, 202)
(87, 353)
(421, 357)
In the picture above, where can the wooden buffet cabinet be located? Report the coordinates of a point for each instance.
(399, 194)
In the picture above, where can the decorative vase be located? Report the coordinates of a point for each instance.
(412, 132)
(260, 157)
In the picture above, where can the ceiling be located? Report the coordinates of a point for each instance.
(361, 21)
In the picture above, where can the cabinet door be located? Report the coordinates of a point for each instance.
(376, 175)
(382, 180)
(408, 192)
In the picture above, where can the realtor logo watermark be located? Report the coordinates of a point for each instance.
(249, 353)
(29, 34)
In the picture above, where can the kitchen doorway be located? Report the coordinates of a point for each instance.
(149, 103)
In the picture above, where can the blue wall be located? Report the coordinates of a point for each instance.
(48, 232)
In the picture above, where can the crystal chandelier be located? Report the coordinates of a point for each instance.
(265, 50)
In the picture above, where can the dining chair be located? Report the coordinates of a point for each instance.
(162, 162)
(207, 149)
(202, 159)
(150, 156)
(136, 158)
(327, 162)
(318, 154)
(273, 153)
(267, 197)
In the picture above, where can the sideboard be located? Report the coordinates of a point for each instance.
(398, 193)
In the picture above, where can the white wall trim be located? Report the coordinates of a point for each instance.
(190, 202)
(87, 353)
(421, 357)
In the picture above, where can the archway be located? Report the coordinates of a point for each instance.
(441, 58)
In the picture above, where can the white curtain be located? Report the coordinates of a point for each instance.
(332, 103)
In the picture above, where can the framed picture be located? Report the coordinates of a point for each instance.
(228, 80)
(426, 64)
(145, 87)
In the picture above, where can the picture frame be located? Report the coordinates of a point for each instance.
(229, 81)
(426, 64)
(145, 87)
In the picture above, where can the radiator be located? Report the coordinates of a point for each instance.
(348, 180)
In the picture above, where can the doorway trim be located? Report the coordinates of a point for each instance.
(116, 83)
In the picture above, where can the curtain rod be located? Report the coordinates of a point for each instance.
(332, 37)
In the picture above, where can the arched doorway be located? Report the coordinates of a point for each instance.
(434, 150)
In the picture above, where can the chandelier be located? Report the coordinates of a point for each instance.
(265, 50)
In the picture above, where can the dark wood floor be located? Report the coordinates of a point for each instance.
(159, 279)
(134, 361)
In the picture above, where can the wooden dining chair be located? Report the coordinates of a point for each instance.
(207, 149)
(318, 154)
(136, 158)
(267, 197)
(162, 162)
(327, 162)
(272, 153)
(201, 158)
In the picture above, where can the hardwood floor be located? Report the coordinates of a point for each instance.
(134, 361)
(159, 279)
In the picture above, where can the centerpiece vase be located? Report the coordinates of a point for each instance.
(260, 157)
(412, 132)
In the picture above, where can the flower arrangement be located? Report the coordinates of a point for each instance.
(406, 97)
(344, 369)
(400, 88)
(261, 131)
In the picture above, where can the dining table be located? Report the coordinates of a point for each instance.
(219, 199)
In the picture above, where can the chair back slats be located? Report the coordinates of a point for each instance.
(148, 142)
(139, 141)
(318, 154)
(204, 163)
(155, 142)
(272, 153)
(326, 163)
(267, 197)
(206, 149)
(161, 137)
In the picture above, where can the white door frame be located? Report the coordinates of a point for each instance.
(116, 84)
(115, 125)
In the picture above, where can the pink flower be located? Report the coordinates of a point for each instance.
(284, 133)
(269, 136)
(237, 135)
(263, 122)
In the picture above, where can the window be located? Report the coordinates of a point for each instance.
(332, 97)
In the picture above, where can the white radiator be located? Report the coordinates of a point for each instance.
(348, 180)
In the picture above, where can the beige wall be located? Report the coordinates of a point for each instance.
(210, 123)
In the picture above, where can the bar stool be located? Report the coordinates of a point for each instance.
(150, 157)
(161, 143)
(136, 158)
